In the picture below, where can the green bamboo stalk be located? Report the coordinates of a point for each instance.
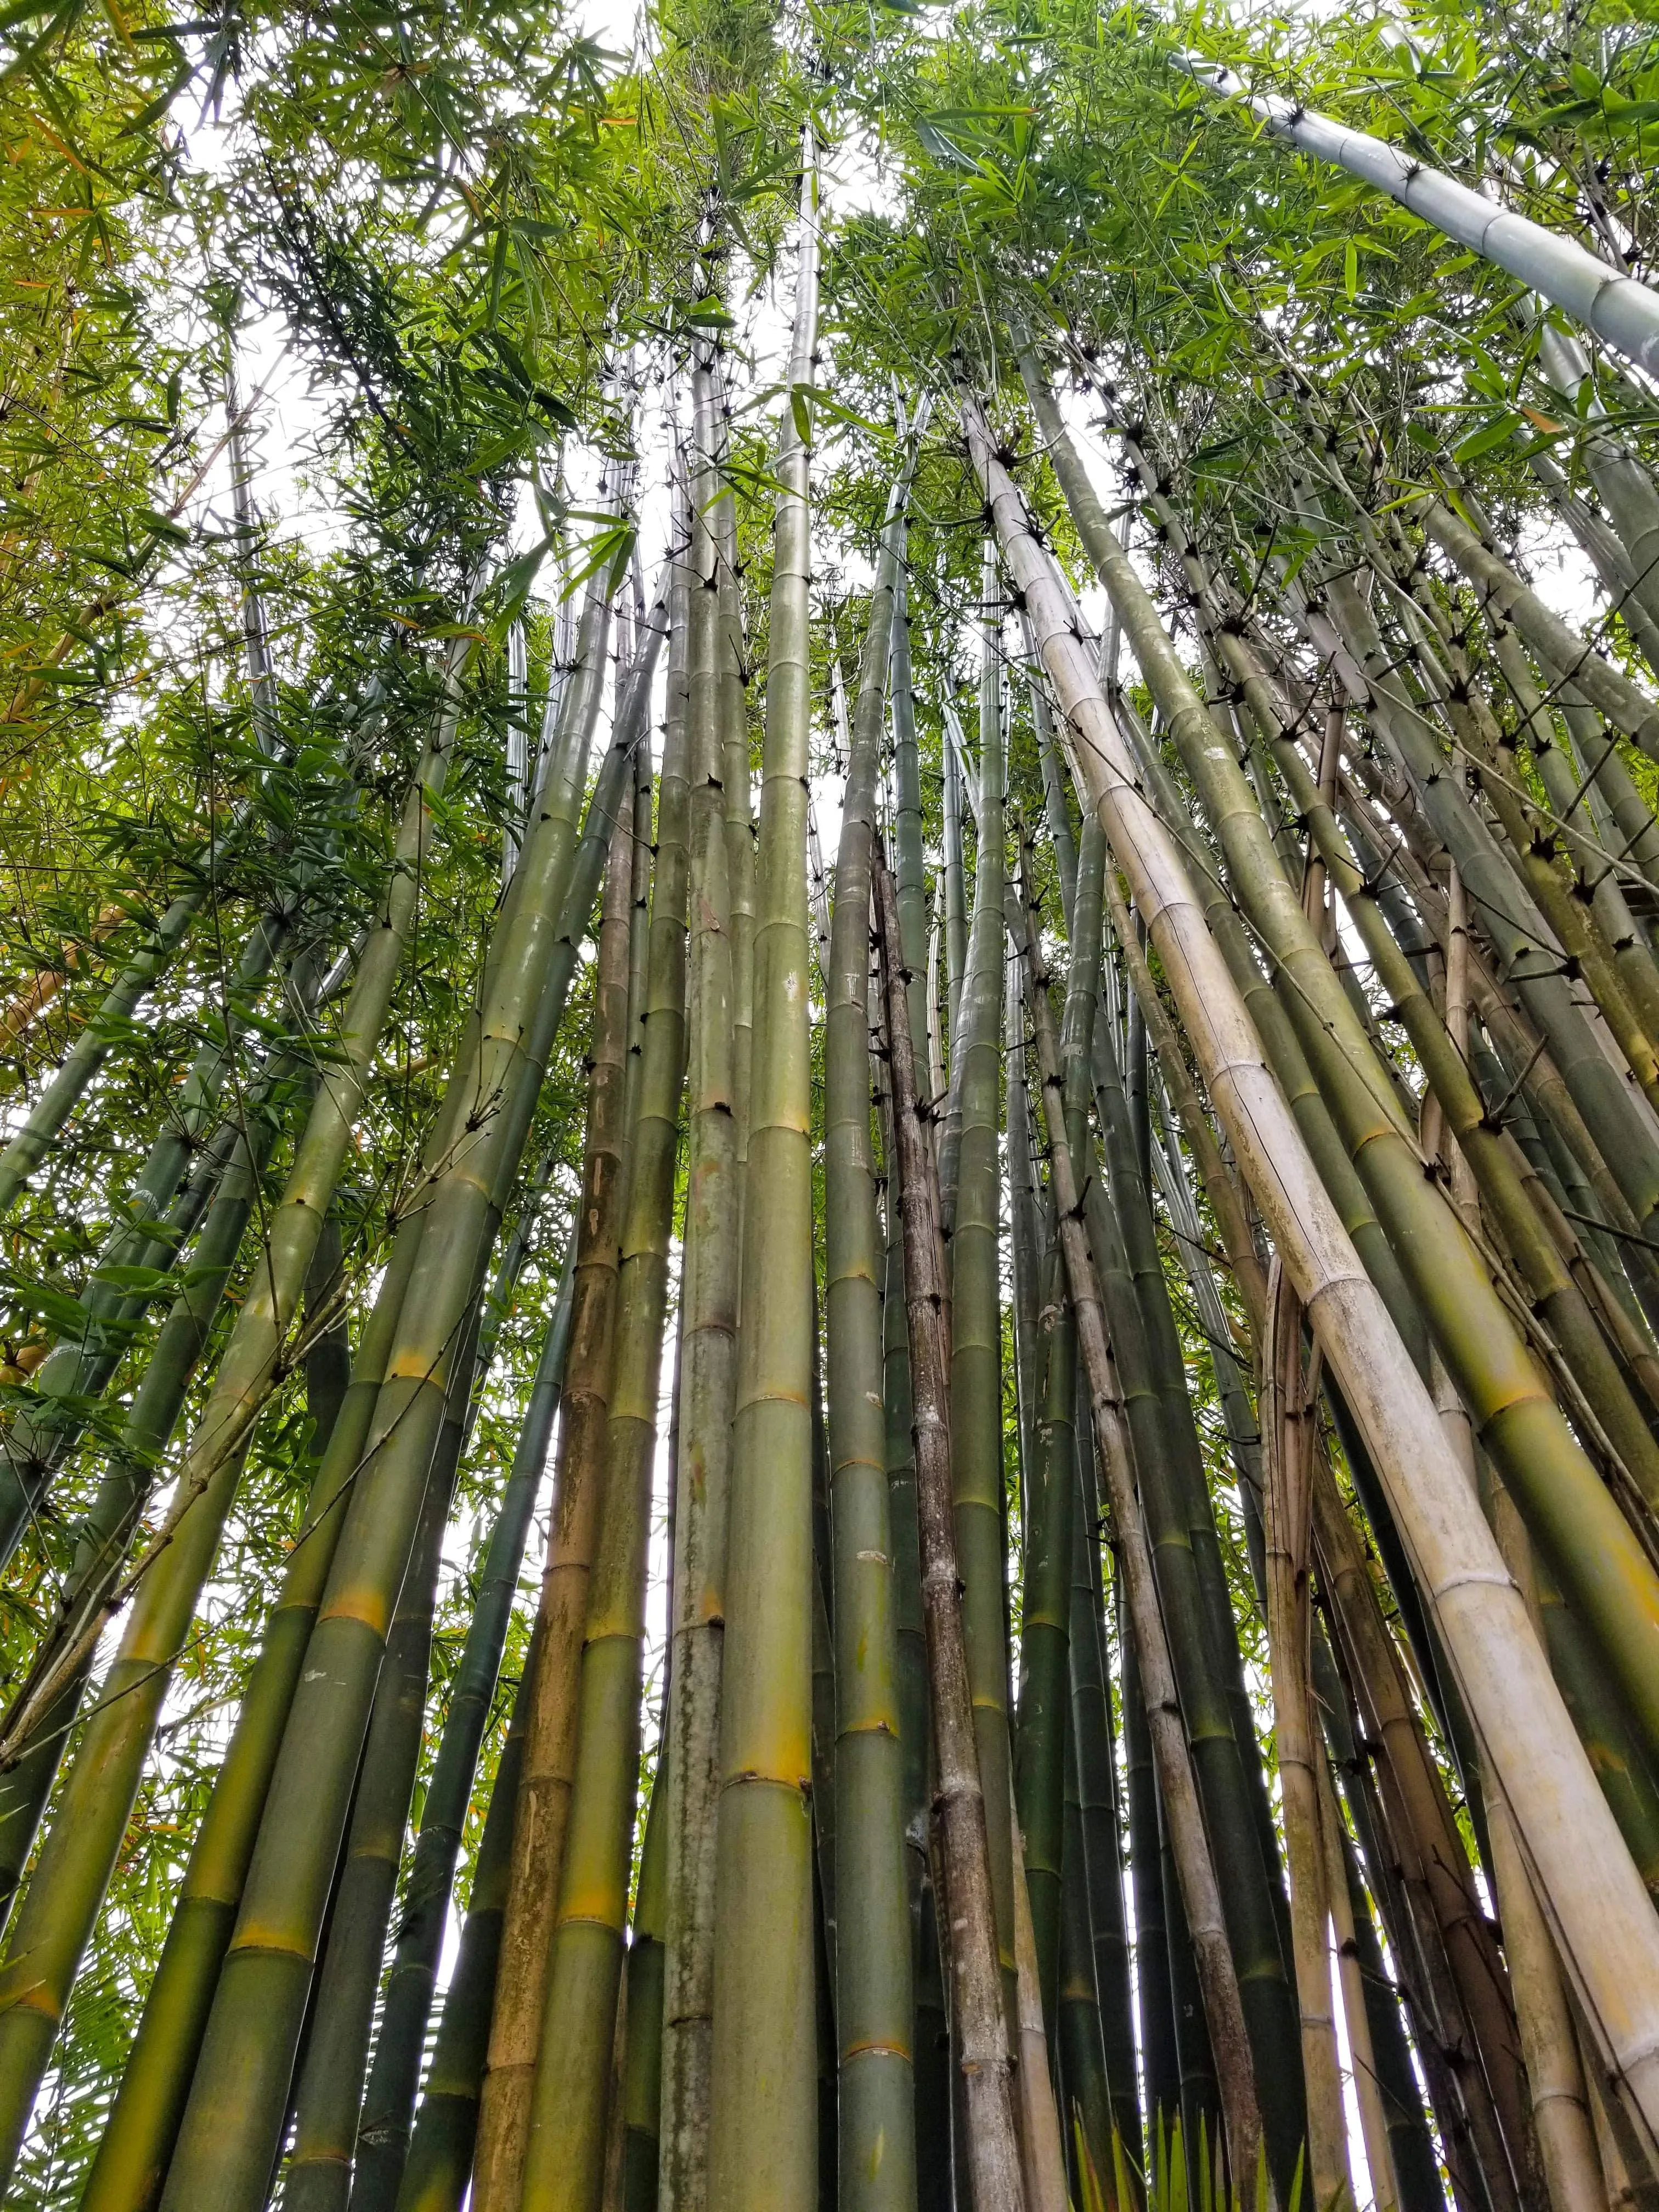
(909, 866)
(388, 2104)
(874, 2004)
(232, 2122)
(955, 893)
(641, 2100)
(327, 2094)
(440, 2164)
(1160, 2060)
(564, 2143)
(1079, 2044)
(708, 1322)
(763, 2144)
(1098, 1796)
(157, 1403)
(42, 1431)
(990, 2153)
(1179, 1761)
(520, 1978)
(1022, 1247)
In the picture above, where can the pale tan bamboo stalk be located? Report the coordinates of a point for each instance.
(1608, 1933)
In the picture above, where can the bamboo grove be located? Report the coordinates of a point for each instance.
(829, 1157)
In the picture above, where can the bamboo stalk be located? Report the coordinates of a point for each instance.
(388, 2108)
(537, 1838)
(235, 2118)
(1289, 1443)
(640, 2102)
(1592, 1891)
(708, 1322)
(763, 2124)
(979, 2018)
(1200, 1893)
(874, 2007)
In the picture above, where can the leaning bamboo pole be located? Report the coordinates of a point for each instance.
(874, 2011)
(764, 2148)
(1621, 312)
(235, 2118)
(978, 2013)
(1589, 1888)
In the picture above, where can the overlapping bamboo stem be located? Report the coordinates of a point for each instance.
(234, 2117)
(439, 2167)
(549, 1721)
(1022, 1240)
(908, 866)
(327, 2093)
(44, 1712)
(975, 1295)
(709, 1324)
(1079, 2045)
(1100, 1839)
(874, 2008)
(1051, 1510)
(43, 1429)
(388, 2105)
(1592, 1891)
(1160, 2060)
(1289, 1444)
(1042, 2150)
(978, 2013)
(763, 2126)
(1200, 1895)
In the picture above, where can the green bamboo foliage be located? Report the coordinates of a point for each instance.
(976, 1308)
(707, 1385)
(234, 2117)
(764, 2122)
(874, 2008)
